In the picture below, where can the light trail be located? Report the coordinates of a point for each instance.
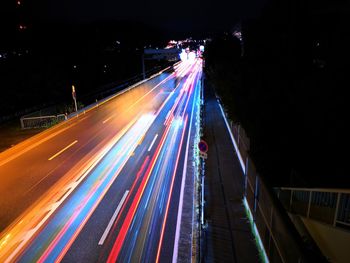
(132, 189)
(17, 235)
(170, 195)
(22, 232)
(39, 139)
(127, 222)
(184, 172)
(144, 209)
(97, 185)
(141, 227)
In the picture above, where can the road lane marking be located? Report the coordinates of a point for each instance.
(61, 151)
(107, 119)
(90, 167)
(141, 140)
(108, 228)
(13, 156)
(53, 207)
(119, 241)
(150, 147)
(86, 216)
(171, 190)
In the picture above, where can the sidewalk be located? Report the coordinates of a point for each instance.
(228, 236)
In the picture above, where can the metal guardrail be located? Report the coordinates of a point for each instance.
(44, 117)
(330, 206)
(122, 90)
(111, 88)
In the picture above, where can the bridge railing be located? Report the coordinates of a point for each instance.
(277, 234)
(330, 206)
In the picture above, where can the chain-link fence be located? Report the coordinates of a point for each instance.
(41, 121)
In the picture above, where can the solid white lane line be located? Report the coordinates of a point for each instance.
(109, 226)
(61, 151)
(150, 147)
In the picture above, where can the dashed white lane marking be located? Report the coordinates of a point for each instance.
(61, 151)
(108, 228)
(150, 147)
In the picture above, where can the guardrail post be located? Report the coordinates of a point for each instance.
(291, 200)
(336, 210)
(22, 123)
(309, 205)
(256, 196)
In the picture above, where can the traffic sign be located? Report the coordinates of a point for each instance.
(203, 155)
(203, 146)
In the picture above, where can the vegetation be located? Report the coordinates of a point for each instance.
(39, 70)
(287, 92)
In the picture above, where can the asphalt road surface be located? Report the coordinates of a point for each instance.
(104, 186)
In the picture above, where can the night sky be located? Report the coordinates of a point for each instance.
(295, 55)
(171, 15)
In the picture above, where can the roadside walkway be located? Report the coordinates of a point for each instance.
(228, 236)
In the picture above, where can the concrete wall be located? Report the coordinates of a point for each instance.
(333, 242)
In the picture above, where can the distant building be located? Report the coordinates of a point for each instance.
(169, 54)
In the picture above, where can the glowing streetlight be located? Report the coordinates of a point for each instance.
(74, 95)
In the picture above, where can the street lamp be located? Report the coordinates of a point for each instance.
(74, 95)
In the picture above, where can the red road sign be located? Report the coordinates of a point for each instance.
(203, 146)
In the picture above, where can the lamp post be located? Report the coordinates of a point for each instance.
(74, 95)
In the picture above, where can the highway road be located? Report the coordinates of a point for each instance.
(105, 186)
